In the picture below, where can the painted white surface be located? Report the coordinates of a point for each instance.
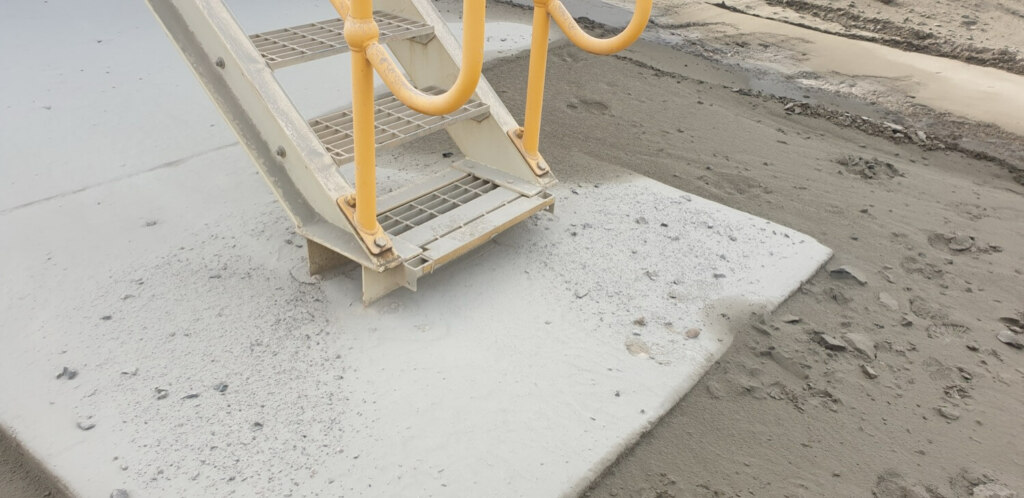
(494, 379)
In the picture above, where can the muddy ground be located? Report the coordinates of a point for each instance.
(888, 378)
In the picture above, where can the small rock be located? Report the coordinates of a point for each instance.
(1011, 323)
(220, 387)
(692, 333)
(637, 347)
(190, 396)
(789, 319)
(861, 344)
(868, 371)
(119, 493)
(961, 242)
(847, 271)
(889, 301)
(446, 155)
(653, 275)
(150, 223)
(1010, 339)
(580, 294)
(161, 393)
(67, 373)
(640, 322)
(719, 275)
(907, 321)
(828, 342)
(922, 136)
(894, 127)
(948, 413)
(86, 425)
(640, 220)
(973, 346)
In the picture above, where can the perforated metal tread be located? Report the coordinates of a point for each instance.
(394, 122)
(434, 204)
(289, 46)
(452, 214)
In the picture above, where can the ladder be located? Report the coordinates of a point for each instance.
(417, 229)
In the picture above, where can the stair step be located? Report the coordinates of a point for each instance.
(308, 42)
(395, 124)
(451, 214)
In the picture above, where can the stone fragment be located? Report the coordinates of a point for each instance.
(1010, 339)
(828, 342)
(847, 271)
(861, 344)
(948, 413)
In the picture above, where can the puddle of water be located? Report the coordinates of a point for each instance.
(979, 93)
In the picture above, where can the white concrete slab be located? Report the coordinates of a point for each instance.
(515, 371)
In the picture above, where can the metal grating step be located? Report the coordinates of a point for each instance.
(394, 123)
(289, 46)
(428, 207)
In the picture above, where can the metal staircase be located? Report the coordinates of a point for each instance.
(421, 227)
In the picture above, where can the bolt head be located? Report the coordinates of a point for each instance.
(381, 241)
(351, 201)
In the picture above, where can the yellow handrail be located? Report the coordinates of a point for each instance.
(528, 138)
(599, 46)
(368, 55)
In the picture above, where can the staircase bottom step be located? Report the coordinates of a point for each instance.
(433, 223)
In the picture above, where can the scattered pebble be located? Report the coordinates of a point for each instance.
(86, 425)
(907, 321)
(692, 333)
(637, 347)
(960, 242)
(828, 342)
(789, 319)
(847, 271)
(119, 493)
(640, 322)
(220, 387)
(67, 373)
(161, 393)
(1010, 339)
(190, 396)
(948, 413)
(868, 371)
(580, 294)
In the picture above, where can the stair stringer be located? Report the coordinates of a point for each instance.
(292, 160)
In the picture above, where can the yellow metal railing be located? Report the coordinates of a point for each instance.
(368, 55)
(528, 137)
